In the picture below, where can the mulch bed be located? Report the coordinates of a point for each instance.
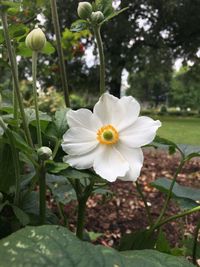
(125, 213)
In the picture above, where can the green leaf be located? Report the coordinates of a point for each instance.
(21, 215)
(179, 191)
(31, 118)
(7, 4)
(105, 6)
(79, 25)
(59, 125)
(137, 240)
(23, 50)
(55, 167)
(188, 244)
(61, 189)
(18, 30)
(48, 49)
(114, 14)
(57, 246)
(160, 142)
(162, 244)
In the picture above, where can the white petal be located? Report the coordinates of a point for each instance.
(84, 161)
(108, 110)
(83, 118)
(77, 141)
(110, 164)
(134, 157)
(140, 133)
(131, 110)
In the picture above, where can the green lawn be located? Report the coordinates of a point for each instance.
(181, 130)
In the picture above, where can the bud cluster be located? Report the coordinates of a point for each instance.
(85, 12)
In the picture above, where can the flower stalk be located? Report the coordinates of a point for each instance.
(97, 33)
(15, 78)
(60, 52)
(34, 73)
(145, 203)
(157, 223)
(42, 192)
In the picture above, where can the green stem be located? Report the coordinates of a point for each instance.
(15, 156)
(82, 197)
(97, 33)
(81, 217)
(15, 78)
(62, 214)
(169, 195)
(60, 52)
(174, 217)
(15, 103)
(194, 251)
(42, 192)
(34, 73)
(57, 146)
(145, 203)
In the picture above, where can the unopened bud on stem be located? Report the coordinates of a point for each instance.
(44, 153)
(97, 17)
(84, 10)
(36, 40)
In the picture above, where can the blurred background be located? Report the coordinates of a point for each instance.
(152, 52)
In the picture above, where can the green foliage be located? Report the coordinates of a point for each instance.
(60, 247)
(185, 196)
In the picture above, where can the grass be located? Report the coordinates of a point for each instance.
(181, 130)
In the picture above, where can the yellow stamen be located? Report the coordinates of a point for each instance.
(107, 135)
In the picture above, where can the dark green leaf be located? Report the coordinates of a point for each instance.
(162, 244)
(61, 189)
(179, 191)
(48, 49)
(56, 246)
(79, 25)
(17, 30)
(105, 6)
(21, 215)
(55, 167)
(188, 244)
(137, 240)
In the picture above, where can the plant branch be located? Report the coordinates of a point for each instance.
(97, 33)
(60, 52)
(34, 74)
(15, 78)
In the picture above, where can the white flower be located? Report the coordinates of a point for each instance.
(110, 138)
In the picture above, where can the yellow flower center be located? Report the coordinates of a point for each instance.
(107, 135)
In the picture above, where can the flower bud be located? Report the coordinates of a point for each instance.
(84, 10)
(44, 153)
(97, 17)
(36, 40)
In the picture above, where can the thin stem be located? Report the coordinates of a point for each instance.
(194, 250)
(62, 214)
(34, 73)
(174, 217)
(169, 195)
(42, 192)
(145, 203)
(60, 52)
(57, 146)
(82, 197)
(97, 33)
(15, 103)
(15, 78)
(81, 217)
(15, 156)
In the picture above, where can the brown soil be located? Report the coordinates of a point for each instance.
(124, 212)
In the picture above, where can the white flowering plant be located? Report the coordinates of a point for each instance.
(72, 154)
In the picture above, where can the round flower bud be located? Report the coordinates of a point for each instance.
(44, 153)
(97, 17)
(36, 40)
(84, 10)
